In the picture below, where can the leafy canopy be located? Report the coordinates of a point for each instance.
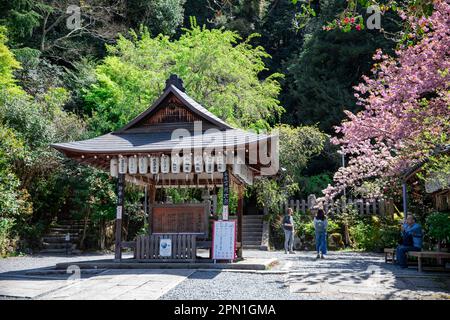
(217, 71)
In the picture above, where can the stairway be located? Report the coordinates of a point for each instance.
(252, 231)
(54, 241)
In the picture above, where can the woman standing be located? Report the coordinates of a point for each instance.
(320, 225)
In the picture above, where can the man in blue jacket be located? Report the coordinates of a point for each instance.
(411, 240)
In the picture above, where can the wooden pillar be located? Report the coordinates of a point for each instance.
(405, 200)
(151, 201)
(240, 212)
(119, 212)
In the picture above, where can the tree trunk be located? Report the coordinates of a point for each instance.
(83, 237)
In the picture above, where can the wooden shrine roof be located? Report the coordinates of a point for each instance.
(152, 134)
(157, 142)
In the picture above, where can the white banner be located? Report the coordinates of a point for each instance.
(225, 212)
(119, 212)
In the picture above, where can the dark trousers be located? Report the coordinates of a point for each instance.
(401, 254)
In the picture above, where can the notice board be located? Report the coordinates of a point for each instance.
(180, 218)
(224, 240)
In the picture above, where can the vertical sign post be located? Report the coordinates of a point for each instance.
(226, 196)
(120, 201)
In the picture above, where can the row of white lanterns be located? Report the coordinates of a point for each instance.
(166, 164)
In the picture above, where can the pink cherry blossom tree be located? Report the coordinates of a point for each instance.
(406, 111)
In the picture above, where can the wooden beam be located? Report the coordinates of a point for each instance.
(240, 212)
(151, 202)
(120, 210)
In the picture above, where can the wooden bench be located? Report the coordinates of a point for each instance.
(389, 255)
(428, 254)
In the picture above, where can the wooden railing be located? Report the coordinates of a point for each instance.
(183, 247)
(363, 206)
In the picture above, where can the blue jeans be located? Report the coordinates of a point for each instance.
(401, 254)
(288, 240)
(321, 242)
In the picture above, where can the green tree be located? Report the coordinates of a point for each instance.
(298, 145)
(321, 76)
(160, 16)
(218, 71)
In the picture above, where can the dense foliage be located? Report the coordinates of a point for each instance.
(217, 71)
(406, 114)
(69, 72)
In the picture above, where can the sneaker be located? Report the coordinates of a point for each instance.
(285, 252)
(291, 252)
(318, 256)
(322, 256)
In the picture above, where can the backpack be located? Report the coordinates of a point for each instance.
(320, 226)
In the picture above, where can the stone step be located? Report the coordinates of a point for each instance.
(71, 222)
(252, 218)
(252, 239)
(58, 245)
(61, 234)
(58, 238)
(251, 222)
(68, 228)
(252, 229)
(252, 246)
(252, 233)
(58, 251)
(245, 242)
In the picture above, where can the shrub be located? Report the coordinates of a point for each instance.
(7, 243)
(374, 234)
(438, 224)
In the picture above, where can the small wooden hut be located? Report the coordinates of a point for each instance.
(438, 186)
(177, 142)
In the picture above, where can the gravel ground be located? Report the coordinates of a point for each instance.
(22, 264)
(205, 285)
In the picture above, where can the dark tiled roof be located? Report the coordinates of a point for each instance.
(159, 141)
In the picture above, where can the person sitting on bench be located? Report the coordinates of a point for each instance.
(411, 240)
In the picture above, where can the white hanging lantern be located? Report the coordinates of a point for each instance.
(187, 163)
(198, 164)
(143, 165)
(154, 165)
(220, 161)
(123, 164)
(209, 164)
(132, 165)
(165, 164)
(176, 163)
(113, 167)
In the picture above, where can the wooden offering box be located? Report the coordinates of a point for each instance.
(180, 218)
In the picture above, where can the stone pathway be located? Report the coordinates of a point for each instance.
(352, 275)
(342, 275)
(106, 285)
